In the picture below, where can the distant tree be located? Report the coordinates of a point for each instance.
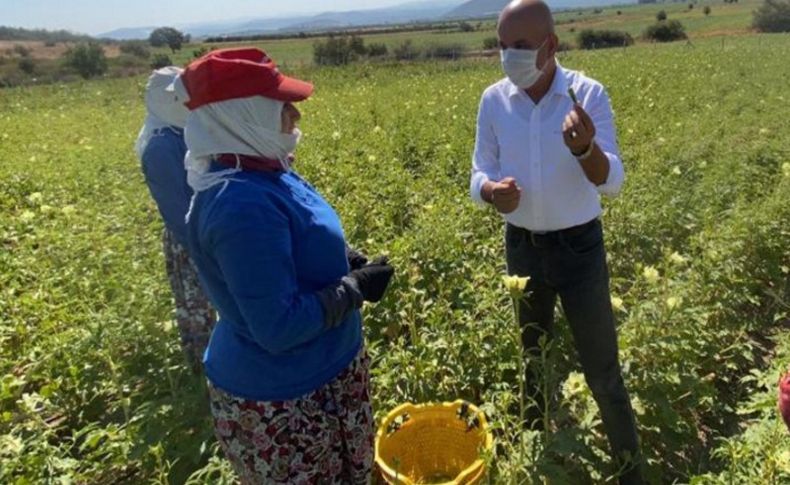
(161, 60)
(21, 50)
(377, 50)
(601, 39)
(136, 48)
(88, 60)
(406, 51)
(445, 51)
(490, 43)
(167, 36)
(772, 16)
(357, 45)
(706, 10)
(691, 6)
(661, 15)
(27, 65)
(338, 51)
(466, 27)
(665, 31)
(619, 12)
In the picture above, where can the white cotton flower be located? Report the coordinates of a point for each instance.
(651, 274)
(617, 304)
(677, 258)
(673, 302)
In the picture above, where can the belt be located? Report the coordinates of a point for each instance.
(541, 239)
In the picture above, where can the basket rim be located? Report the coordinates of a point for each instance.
(473, 469)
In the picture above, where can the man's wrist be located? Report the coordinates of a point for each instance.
(486, 192)
(586, 153)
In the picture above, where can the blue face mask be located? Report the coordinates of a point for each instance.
(520, 66)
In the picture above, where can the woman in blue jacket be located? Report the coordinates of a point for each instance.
(286, 364)
(161, 149)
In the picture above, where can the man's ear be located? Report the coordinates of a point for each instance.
(554, 45)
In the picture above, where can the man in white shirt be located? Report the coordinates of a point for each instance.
(542, 160)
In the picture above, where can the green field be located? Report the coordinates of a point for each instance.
(725, 19)
(93, 388)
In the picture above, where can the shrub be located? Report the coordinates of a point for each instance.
(27, 65)
(445, 51)
(490, 43)
(706, 10)
(50, 43)
(200, 52)
(661, 16)
(357, 46)
(377, 50)
(161, 60)
(88, 60)
(601, 39)
(691, 6)
(619, 12)
(406, 51)
(772, 16)
(21, 50)
(466, 27)
(598, 10)
(337, 51)
(136, 49)
(665, 31)
(564, 46)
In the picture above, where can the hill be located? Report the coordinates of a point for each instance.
(491, 8)
(41, 35)
(402, 13)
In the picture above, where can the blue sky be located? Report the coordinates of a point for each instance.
(97, 16)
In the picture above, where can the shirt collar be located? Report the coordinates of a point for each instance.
(559, 85)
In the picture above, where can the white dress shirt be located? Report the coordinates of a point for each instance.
(520, 139)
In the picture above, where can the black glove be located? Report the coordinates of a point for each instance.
(373, 279)
(355, 259)
(339, 300)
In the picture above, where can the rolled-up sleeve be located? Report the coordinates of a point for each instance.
(600, 111)
(485, 161)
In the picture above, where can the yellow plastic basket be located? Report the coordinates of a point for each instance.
(433, 443)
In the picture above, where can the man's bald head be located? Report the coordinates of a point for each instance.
(525, 24)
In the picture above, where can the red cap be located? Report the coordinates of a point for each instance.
(227, 74)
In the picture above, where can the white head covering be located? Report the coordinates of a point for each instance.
(245, 126)
(164, 107)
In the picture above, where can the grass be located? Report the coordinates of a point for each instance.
(93, 388)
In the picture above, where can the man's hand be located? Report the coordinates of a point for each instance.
(578, 130)
(504, 195)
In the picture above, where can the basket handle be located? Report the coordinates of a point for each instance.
(407, 408)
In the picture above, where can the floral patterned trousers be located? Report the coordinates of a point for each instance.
(325, 437)
(195, 316)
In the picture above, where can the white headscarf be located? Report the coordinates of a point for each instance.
(163, 106)
(244, 126)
